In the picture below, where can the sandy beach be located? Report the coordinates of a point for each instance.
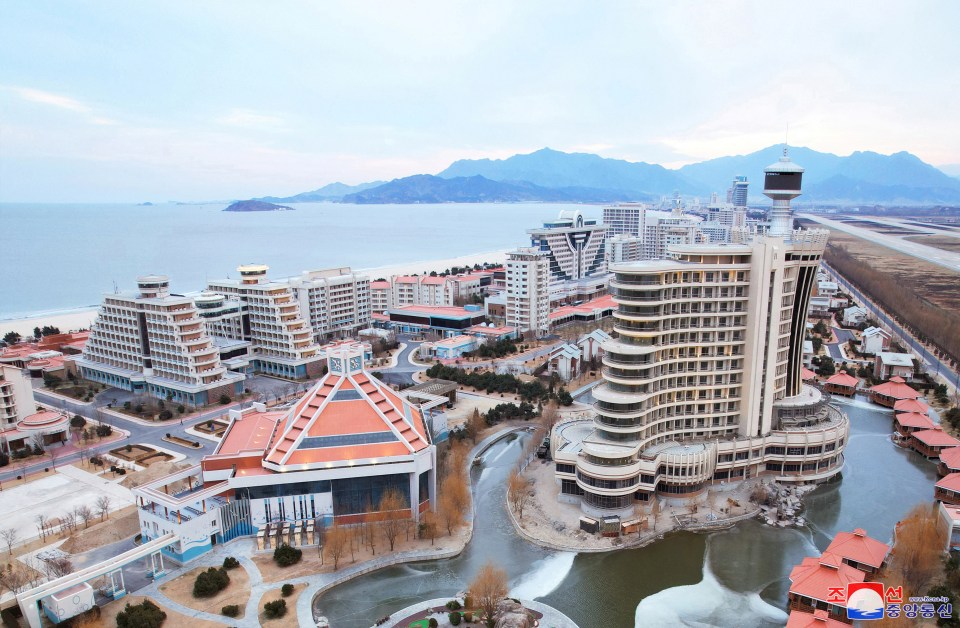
(82, 318)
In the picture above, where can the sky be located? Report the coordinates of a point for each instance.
(118, 101)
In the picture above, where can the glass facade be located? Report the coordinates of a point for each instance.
(353, 496)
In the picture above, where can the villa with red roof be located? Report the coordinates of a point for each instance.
(947, 490)
(860, 551)
(812, 580)
(949, 461)
(889, 393)
(911, 405)
(816, 619)
(842, 383)
(283, 474)
(906, 423)
(930, 443)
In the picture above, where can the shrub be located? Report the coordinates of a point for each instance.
(286, 555)
(138, 408)
(453, 605)
(104, 430)
(181, 408)
(230, 610)
(146, 614)
(274, 609)
(230, 563)
(37, 450)
(126, 405)
(286, 590)
(454, 618)
(128, 448)
(210, 582)
(166, 415)
(433, 623)
(77, 421)
(224, 400)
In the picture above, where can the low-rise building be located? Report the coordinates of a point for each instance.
(950, 525)
(812, 580)
(889, 393)
(947, 490)
(854, 316)
(283, 475)
(841, 383)
(591, 345)
(827, 288)
(929, 443)
(448, 321)
(860, 551)
(816, 619)
(949, 461)
(449, 348)
(492, 333)
(888, 365)
(911, 405)
(906, 423)
(587, 312)
(564, 361)
(874, 340)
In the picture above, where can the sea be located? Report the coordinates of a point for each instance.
(59, 257)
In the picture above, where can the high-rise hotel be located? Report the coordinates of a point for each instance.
(702, 383)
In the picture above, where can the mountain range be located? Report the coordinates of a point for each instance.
(548, 175)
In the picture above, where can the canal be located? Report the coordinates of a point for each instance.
(731, 577)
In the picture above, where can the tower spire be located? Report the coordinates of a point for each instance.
(781, 182)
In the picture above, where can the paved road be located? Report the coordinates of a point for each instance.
(932, 363)
(904, 224)
(402, 373)
(946, 259)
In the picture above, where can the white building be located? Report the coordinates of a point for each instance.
(381, 296)
(574, 246)
(887, 365)
(623, 248)
(528, 291)
(283, 475)
(625, 219)
(853, 316)
(702, 384)
(827, 288)
(156, 343)
(282, 340)
(874, 340)
(336, 301)
(565, 361)
(16, 396)
(591, 344)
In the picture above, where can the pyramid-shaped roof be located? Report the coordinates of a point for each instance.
(859, 547)
(814, 576)
(895, 388)
(347, 415)
(842, 378)
(911, 405)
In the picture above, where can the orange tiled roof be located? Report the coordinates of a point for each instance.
(842, 379)
(806, 374)
(816, 575)
(950, 482)
(859, 547)
(951, 457)
(914, 419)
(895, 388)
(910, 405)
(817, 619)
(936, 437)
(250, 432)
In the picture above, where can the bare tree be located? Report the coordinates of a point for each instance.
(54, 453)
(86, 514)
(336, 544)
(488, 588)
(393, 515)
(58, 567)
(518, 492)
(429, 526)
(41, 525)
(9, 537)
(917, 553)
(37, 440)
(655, 512)
(13, 578)
(103, 506)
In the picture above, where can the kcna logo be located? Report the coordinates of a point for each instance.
(866, 601)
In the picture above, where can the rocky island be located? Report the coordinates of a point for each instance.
(256, 206)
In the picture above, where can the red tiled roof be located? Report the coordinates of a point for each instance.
(380, 284)
(936, 437)
(406, 279)
(818, 619)
(842, 379)
(911, 405)
(806, 374)
(433, 281)
(250, 432)
(951, 457)
(605, 302)
(950, 482)
(895, 388)
(859, 547)
(914, 419)
(815, 576)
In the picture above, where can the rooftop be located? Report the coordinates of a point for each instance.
(951, 457)
(445, 311)
(859, 547)
(895, 359)
(914, 419)
(950, 483)
(936, 437)
(605, 302)
(815, 576)
(818, 619)
(911, 405)
(895, 388)
(251, 431)
(843, 379)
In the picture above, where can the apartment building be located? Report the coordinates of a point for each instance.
(336, 301)
(528, 290)
(702, 384)
(16, 396)
(381, 296)
(574, 246)
(282, 340)
(156, 343)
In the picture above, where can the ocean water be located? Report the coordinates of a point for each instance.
(63, 256)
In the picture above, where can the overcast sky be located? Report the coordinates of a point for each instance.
(136, 101)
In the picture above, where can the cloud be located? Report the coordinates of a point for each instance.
(49, 98)
(250, 119)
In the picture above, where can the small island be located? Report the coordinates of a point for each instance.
(256, 206)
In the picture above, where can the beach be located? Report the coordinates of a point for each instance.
(82, 318)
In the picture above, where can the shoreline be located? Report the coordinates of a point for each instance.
(73, 319)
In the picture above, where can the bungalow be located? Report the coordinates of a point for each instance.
(590, 344)
(906, 423)
(930, 443)
(449, 348)
(816, 619)
(911, 405)
(854, 316)
(947, 490)
(827, 288)
(812, 580)
(842, 383)
(564, 361)
(492, 333)
(808, 353)
(860, 551)
(887, 365)
(949, 462)
(874, 340)
(819, 307)
(889, 393)
(807, 375)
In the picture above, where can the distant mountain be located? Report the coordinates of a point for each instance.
(330, 192)
(900, 177)
(425, 188)
(256, 206)
(554, 169)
